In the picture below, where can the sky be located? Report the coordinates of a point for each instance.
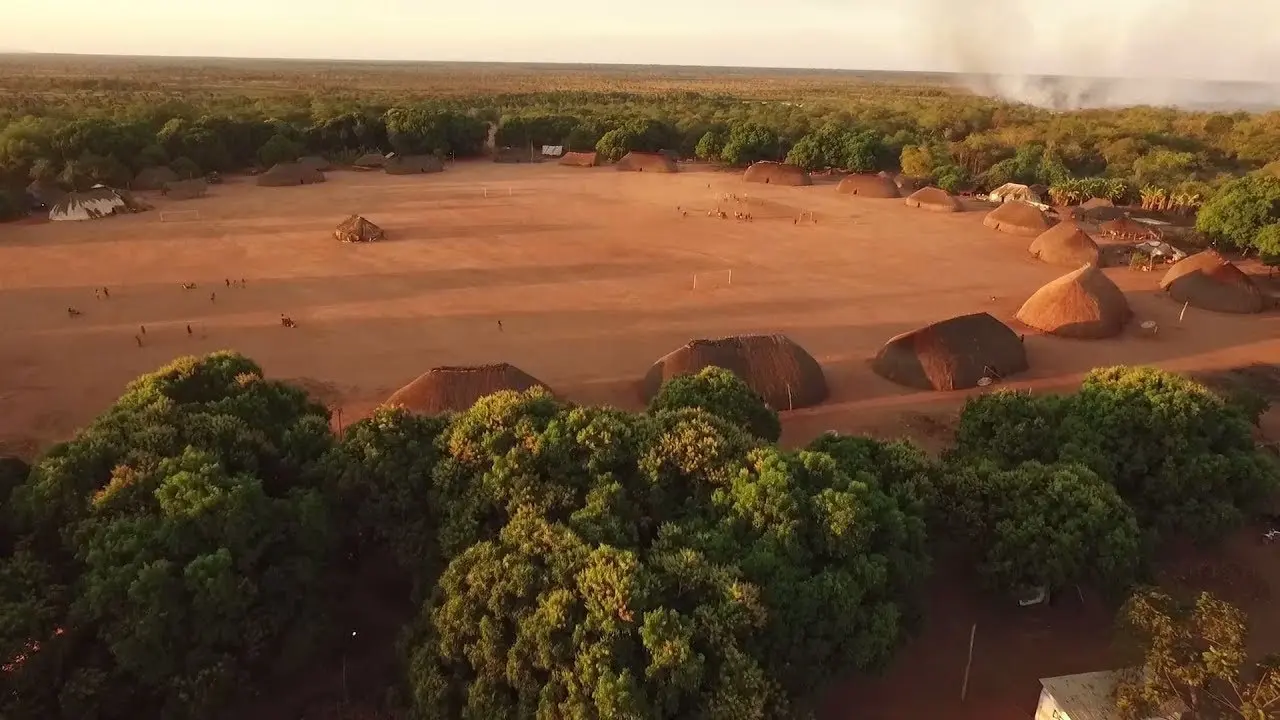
(1192, 39)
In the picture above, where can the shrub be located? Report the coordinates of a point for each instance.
(1237, 214)
(722, 394)
(185, 168)
(748, 143)
(278, 149)
(711, 145)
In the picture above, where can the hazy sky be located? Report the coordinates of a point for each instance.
(1217, 39)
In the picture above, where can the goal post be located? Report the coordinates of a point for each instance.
(179, 215)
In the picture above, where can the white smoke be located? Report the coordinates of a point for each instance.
(1184, 53)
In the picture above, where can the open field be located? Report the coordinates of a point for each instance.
(591, 274)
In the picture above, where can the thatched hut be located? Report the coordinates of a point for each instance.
(580, 159)
(371, 161)
(446, 389)
(774, 366)
(934, 199)
(1126, 228)
(92, 204)
(954, 354)
(647, 162)
(1092, 203)
(772, 173)
(1065, 244)
(153, 178)
(315, 162)
(1082, 304)
(1208, 281)
(356, 229)
(186, 189)
(1018, 218)
(869, 186)
(286, 174)
(413, 165)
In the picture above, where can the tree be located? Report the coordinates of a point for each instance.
(748, 143)
(11, 206)
(277, 150)
(952, 178)
(1268, 244)
(1196, 656)
(615, 143)
(722, 394)
(918, 161)
(711, 145)
(1240, 210)
(1164, 168)
(834, 146)
(185, 168)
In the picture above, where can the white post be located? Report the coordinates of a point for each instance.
(964, 689)
(791, 405)
(730, 277)
(695, 281)
(1184, 311)
(486, 192)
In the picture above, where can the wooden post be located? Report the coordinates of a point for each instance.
(964, 689)
(1184, 311)
(695, 281)
(730, 277)
(791, 405)
(339, 421)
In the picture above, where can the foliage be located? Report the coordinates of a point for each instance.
(1268, 244)
(1194, 655)
(748, 143)
(279, 149)
(722, 394)
(835, 146)
(952, 178)
(423, 131)
(12, 205)
(711, 144)
(1240, 210)
(535, 130)
(918, 161)
(185, 168)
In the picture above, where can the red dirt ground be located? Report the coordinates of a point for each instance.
(591, 273)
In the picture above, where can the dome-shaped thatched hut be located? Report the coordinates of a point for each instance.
(869, 186)
(953, 354)
(932, 198)
(1208, 281)
(153, 178)
(371, 161)
(580, 159)
(1126, 228)
(1018, 218)
(1065, 244)
(772, 173)
(285, 174)
(445, 389)
(186, 189)
(647, 162)
(412, 165)
(774, 366)
(1082, 304)
(315, 162)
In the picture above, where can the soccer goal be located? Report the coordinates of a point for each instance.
(179, 215)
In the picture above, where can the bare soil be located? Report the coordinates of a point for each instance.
(591, 273)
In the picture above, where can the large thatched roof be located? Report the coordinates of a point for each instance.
(315, 162)
(1208, 281)
(1065, 244)
(99, 202)
(772, 173)
(370, 161)
(869, 186)
(153, 178)
(647, 162)
(1082, 304)
(413, 165)
(932, 198)
(186, 189)
(285, 174)
(953, 354)
(580, 159)
(1018, 218)
(1127, 228)
(445, 389)
(774, 366)
(356, 229)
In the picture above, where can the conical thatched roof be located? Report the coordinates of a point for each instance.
(772, 173)
(953, 354)
(356, 229)
(932, 198)
(869, 186)
(285, 174)
(1065, 244)
(1207, 281)
(647, 162)
(99, 202)
(315, 162)
(413, 165)
(580, 159)
(1018, 218)
(186, 189)
(445, 389)
(774, 366)
(1082, 304)
(371, 161)
(153, 178)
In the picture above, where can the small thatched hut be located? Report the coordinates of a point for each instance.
(1126, 228)
(580, 159)
(1208, 281)
(647, 162)
(413, 165)
(315, 162)
(286, 174)
(1065, 244)
(774, 366)
(356, 229)
(932, 198)
(953, 354)
(446, 389)
(1092, 203)
(772, 173)
(153, 178)
(869, 186)
(1018, 218)
(186, 189)
(371, 161)
(1082, 304)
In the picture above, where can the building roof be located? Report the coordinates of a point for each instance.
(1088, 696)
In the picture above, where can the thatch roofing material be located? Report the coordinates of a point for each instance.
(869, 186)
(315, 162)
(580, 159)
(932, 198)
(774, 366)
(772, 173)
(647, 162)
(413, 165)
(1065, 244)
(356, 229)
(1092, 203)
(445, 389)
(1082, 304)
(286, 174)
(186, 189)
(1018, 218)
(153, 178)
(1207, 281)
(1126, 227)
(371, 160)
(953, 354)
(99, 202)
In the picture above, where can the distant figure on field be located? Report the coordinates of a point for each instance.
(188, 286)
(72, 312)
(499, 326)
(143, 328)
(287, 321)
(138, 339)
(213, 297)
(188, 328)
(228, 282)
(97, 293)
(106, 293)
(243, 283)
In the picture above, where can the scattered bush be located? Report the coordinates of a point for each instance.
(1241, 209)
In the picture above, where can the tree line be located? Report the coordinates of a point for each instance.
(565, 561)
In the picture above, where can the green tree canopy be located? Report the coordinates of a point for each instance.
(722, 394)
(1240, 210)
